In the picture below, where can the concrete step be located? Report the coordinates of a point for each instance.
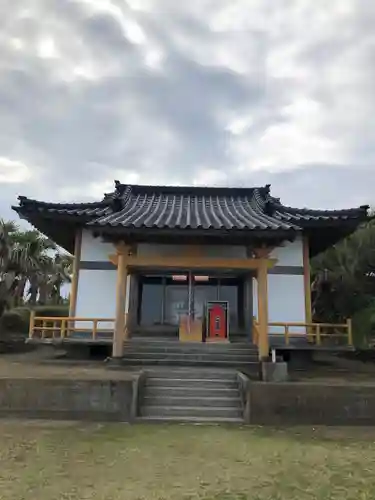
(188, 373)
(151, 351)
(183, 383)
(191, 411)
(190, 356)
(192, 401)
(190, 346)
(192, 420)
(173, 361)
(200, 392)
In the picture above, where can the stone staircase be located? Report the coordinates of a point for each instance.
(191, 395)
(147, 352)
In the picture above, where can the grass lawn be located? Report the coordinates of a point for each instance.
(48, 461)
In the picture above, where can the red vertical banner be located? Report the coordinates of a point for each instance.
(217, 320)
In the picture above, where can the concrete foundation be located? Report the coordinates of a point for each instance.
(274, 372)
(69, 399)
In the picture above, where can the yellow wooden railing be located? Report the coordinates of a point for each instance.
(315, 333)
(59, 328)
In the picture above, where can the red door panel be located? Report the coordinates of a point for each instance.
(217, 321)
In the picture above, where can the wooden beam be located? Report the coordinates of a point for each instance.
(75, 276)
(194, 262)
(118, 335)
(113, 257)
(307, 280)
(262, 252)
(262, 279)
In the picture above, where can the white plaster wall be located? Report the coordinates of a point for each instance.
(289, 254)
(94, 249)
(286, 295)
(286, 301)
(97, 296)
(234, 251)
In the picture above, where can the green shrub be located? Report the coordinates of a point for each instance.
(14, 322)
(364, 326)
(52, 311)
(17, 320)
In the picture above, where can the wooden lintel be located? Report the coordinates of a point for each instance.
(196, 262)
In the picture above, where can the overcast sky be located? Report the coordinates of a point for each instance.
(218, 92)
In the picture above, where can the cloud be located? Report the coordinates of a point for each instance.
(216, 91)
(12, 172)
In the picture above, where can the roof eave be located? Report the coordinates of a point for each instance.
(194, 232)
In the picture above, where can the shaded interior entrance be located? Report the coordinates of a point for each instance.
(162, 299)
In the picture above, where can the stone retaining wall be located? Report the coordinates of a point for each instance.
(117, 400)
(309, 404)
(69, 399)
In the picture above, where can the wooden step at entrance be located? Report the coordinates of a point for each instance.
(144, 353)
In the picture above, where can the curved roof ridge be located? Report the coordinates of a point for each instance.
(277, 205)
(189, 189)
(24, 200)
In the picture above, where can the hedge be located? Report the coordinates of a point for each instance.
(52, 311)
(17, 320)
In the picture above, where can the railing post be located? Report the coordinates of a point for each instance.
(349, 325)
(63, 328)
(31, 324)
(318, 338)
(94, 328)
(286, 334)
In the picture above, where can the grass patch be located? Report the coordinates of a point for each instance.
(52, 461)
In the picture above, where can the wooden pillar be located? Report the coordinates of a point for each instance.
(262, 279)
(118, 334)
(75, 276)
(307, 287)
(307, 279)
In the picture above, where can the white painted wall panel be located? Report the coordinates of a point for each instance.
(97, 296)
(94, 249)
(286, 300)
(290, 254)
(230, 251)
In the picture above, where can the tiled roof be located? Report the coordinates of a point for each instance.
(95, 209)
(200, 208)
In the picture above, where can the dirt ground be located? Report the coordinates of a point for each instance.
(335, 369)
(44, 363)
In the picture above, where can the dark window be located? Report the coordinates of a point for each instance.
(229, 293)
(151, 301)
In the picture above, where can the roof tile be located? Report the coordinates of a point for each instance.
(169, 207)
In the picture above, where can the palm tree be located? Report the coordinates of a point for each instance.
(62, 271)
(29, 261)
(12, 262)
